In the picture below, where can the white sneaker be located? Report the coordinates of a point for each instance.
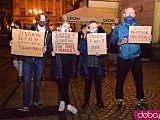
(23, 109)
(72, 109)
(61, 106)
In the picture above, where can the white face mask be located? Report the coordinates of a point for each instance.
(113, 27)
(83, 30)
(63, 29)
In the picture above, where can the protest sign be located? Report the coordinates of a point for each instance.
(140, 34)
(65, 42)
(96, 43)
(27, 43)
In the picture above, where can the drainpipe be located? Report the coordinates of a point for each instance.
(87, 3)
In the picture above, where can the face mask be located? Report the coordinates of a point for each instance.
(63, 29)
(113, 27)
(83, 30)
(42, 23)
(129, 18)
(93, 31)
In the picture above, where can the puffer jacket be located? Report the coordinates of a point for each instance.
(126, 51)
(83, 61)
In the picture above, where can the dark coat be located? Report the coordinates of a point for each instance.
(83, 61)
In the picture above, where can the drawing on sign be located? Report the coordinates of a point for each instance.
(65, 42)
(96, 43)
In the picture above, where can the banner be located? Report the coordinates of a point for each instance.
(65, 42)
(27, 43)
(96, 43)
(140, 34)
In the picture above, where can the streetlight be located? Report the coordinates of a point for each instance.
(34, 11)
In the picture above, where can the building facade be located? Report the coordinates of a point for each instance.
(26, 10)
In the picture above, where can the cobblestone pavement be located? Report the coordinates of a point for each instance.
(11, 94)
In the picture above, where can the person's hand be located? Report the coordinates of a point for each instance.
(150, 38)
(97, 54)
(11, 42)
(53, 53)
(123, 41)
(44, 49)
(77, 52)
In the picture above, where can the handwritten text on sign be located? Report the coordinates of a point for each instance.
(140, 34)
(65, 42)
(27, 43)
(96, 43)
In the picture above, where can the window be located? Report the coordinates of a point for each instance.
(50, 11)
(57, 12)
(50, 0)
(24, 25)
(68, 2)
(22, 11)
(44, 9)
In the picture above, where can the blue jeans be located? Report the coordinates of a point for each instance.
(30, 66)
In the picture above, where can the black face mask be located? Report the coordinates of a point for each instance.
(42, 23)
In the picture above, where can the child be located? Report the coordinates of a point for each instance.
(92, 67)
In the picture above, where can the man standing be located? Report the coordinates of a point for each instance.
(35, 65)
(128, 58)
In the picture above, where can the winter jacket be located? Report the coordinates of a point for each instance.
(126, 51)
(83, 61)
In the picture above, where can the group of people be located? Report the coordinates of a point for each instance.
(92, 67)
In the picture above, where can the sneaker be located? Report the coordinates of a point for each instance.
(38, 105)
(119, 104)
(85, 106)
(23, 109)
(100, 105)
(72, 109)
(61, 106)
(141, 104)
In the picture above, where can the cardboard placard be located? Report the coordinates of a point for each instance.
(96, 43)
(140, 34)
(65, 42)
(27, 43)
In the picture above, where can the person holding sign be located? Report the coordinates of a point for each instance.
(128, 58)
(62, 66)
(92, 67)
(17, 59)
(32, 64)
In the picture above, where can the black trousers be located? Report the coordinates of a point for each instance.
(97, 82)
(123, 67)
(64, 82)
